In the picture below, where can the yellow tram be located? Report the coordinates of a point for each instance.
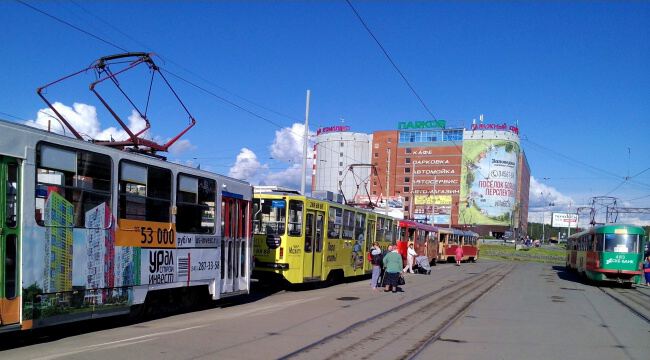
(301, 239)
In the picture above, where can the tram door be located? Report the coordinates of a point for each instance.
(9, 235)
(313, 259)
(370, 238)
(234, 233)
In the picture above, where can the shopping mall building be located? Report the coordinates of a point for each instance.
(476, 178)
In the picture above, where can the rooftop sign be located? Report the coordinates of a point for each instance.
(412, 125)
(501, 127)
(329, 129)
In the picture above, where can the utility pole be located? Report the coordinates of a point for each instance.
(387, 178)
(304, 146)
(412, 209)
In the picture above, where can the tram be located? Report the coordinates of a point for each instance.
(449, 239)
(424, 238)
(469, 241)
(299, 239)
(89, 231)
(607, 253)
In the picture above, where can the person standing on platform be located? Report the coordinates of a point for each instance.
(459, 254)
(376, 261)
(410, 257)
(646, 270)
(393, 266)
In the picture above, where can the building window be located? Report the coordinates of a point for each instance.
(376, 154)
(374, 193)
(374, 183)
(407, 179)
(407, 169)
(389, 140)
(406, 208)
(340, 182)
(340, 172)
(408, 150)
(342, 144)
(406, 189)
(341, 155)
(341, 163)
(406, 198)
(408, 160)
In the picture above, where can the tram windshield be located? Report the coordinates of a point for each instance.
(270, 216)
(621, 243)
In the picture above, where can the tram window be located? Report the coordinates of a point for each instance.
(348, 224)
(334, 223)
(195, 198)
(269, 216)
(309, 232)
(381, 232)
(145, 192)
(319, 233)
(389, 229)
(360, 226)
(600, 241)
(242, 259)
(295, 217)
(81, 180)
(11, 215)
(621, 243)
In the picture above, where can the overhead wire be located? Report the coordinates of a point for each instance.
(207, 91)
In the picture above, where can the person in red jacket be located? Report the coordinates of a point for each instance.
(459, 254)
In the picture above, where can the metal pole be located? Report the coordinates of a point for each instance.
(412, 212)
(433, 203)
(304, 147)
(387, 179)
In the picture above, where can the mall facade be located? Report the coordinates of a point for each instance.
(476, 178)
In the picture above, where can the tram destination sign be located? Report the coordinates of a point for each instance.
(565, 220)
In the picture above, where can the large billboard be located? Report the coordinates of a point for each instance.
(565, 220)
(488, 182)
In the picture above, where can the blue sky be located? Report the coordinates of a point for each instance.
(575, 76)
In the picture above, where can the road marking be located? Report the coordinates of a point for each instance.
(118, 343)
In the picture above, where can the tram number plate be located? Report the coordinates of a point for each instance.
(148, 234)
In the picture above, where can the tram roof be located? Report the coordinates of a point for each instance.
(612, 229)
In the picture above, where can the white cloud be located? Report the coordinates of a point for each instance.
(289, 177)
(84, 120)
(247, 167)
(181, 146)
(541, 195)
(288, 144)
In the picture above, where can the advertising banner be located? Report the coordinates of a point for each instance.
(565, 220)
(488, 182)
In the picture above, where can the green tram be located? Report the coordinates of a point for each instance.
(607, 253)
(299, 239)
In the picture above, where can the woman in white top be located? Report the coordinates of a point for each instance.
(410, 257)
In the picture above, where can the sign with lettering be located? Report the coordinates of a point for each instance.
(565, 220)
(146, 234)
(414, 125)
(500, 127)
(329, 129)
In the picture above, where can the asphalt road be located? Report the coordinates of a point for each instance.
(521, 311)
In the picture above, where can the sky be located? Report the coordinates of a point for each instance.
(574, 76)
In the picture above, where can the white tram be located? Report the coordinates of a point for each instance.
(89, 231)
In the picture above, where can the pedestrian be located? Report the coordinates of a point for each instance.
(393, 266)
(459, 254)
(646, 270)
(410, 257)
(376, 261)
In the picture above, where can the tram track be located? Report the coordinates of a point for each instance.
(411, 328)
(635, 300)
